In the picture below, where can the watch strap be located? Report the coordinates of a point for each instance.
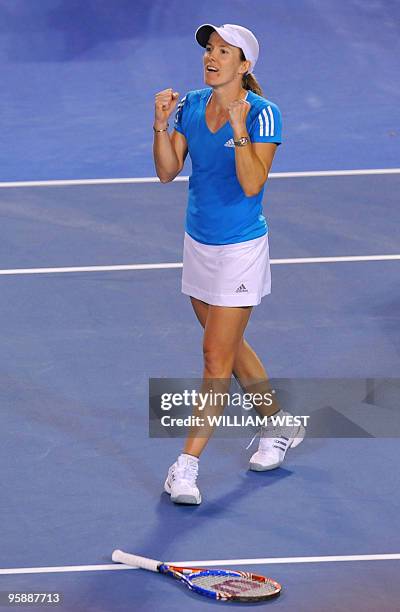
(243, 141)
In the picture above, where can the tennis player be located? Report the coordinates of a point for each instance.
(231, 133)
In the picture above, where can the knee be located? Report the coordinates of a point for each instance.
(217, 362)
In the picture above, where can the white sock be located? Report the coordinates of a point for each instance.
(189, 456)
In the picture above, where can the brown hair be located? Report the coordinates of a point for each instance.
(249, 81)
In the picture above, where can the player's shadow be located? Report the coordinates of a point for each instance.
(249, 482)
(174, 521)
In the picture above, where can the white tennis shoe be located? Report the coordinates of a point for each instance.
(181, 481)
(275, 440)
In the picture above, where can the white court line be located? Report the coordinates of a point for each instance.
(301, 260)
(154, 179)
(91, 269)
(207, 563)
(160, 266)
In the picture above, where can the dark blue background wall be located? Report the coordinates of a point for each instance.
(78, 79)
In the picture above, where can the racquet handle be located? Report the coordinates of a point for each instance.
(136, 560)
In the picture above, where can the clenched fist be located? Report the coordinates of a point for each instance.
(165, 103)
(238, 111)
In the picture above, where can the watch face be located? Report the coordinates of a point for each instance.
(242, 141)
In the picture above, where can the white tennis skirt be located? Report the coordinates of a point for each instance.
(229, 274)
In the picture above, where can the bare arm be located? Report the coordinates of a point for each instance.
(169, 150)
(254, 160)
(253, 163)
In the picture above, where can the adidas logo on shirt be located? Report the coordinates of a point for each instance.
(229, 143)
(241, 289)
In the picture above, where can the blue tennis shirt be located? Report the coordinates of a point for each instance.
(218, 210)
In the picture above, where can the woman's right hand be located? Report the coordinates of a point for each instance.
(165, 103)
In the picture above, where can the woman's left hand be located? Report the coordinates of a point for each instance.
(238, 111)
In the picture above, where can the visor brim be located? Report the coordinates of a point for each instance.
(203, 33)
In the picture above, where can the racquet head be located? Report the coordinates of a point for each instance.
(225, 585)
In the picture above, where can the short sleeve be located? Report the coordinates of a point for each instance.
(181, 115)
(267, 126)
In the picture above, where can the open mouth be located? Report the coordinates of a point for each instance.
(211, 69)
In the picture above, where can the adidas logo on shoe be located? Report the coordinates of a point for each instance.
(241, 289)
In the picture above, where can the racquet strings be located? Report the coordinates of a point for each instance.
(234, 585)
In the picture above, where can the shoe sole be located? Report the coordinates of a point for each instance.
(188, 500)
(296, 440)
(259, 467)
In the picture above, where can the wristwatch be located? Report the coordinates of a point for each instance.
(242, 142)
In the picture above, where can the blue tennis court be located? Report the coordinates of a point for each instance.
(91, 306)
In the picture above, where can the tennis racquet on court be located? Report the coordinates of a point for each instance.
(223, 585)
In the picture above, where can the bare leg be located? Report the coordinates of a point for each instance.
(247, 366)
(223, 332)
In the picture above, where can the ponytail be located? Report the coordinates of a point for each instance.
(249, 81)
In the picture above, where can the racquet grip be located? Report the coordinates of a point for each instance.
(135, 560)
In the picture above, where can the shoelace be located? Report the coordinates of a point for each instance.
(189, 471)
(271, 429)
